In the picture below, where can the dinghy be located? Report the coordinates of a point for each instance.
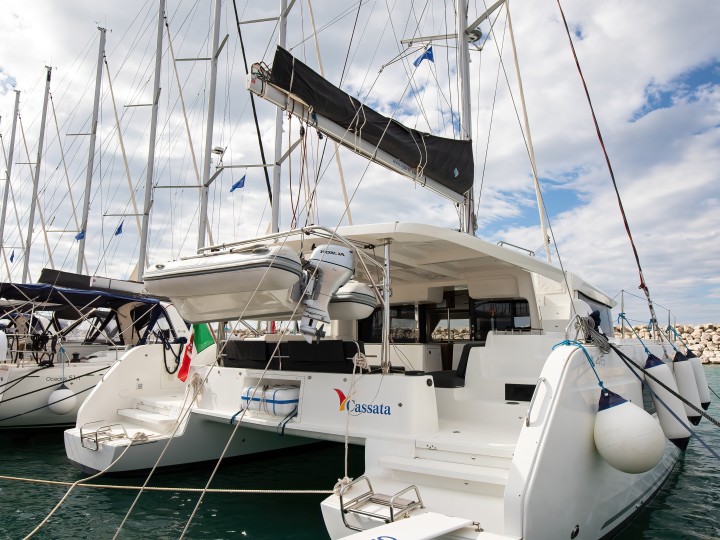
(227, 284)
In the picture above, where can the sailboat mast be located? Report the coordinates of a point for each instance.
(8, 170)
(278, 132)
(151, 150)
(531, 148)
(36, 179)
(91, 153)
(463, 53)
(203, 225)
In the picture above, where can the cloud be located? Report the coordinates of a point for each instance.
(657, 99)
(7, 82)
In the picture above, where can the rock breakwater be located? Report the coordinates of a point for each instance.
(703, 339)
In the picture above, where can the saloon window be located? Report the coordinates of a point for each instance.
(605, 315)
(502, 315)
(404, 326)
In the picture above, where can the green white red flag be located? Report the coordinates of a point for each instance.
(200, 339)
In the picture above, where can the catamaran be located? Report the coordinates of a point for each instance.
(484, 383)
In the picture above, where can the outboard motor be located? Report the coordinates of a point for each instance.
(329, 268)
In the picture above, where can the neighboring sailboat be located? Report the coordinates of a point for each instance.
(60, 341)
(489, 436)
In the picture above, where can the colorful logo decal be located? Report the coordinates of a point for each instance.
(342, 397)
(352, 406)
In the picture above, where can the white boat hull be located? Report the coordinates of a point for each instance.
(26, 389)
(183, 449)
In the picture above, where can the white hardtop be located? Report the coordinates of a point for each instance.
(428, 255)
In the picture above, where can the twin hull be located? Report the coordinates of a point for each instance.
(553, 479)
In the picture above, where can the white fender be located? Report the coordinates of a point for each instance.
(676, 432)
(687, 386)
(700, 379)
(62, 400)
(3, 346)
(626, 436)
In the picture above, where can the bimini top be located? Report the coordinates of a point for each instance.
(50, 297)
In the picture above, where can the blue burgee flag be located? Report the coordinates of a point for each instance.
(119, 229)
(80, 235)
(12, 256)
(239, 184)
(428, 54)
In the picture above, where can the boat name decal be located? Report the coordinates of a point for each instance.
(352, 406)
(60, 379)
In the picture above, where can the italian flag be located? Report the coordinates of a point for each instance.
(200, 339)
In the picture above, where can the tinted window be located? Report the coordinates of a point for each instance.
(605, 315)
(506, 314)
(403, 326)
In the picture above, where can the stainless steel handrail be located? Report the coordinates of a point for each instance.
(532, 401)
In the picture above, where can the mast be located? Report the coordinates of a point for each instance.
(463, 53)
(8, 171)
(36, 179)
(204, 188)
(151, 150)
(531, 150)
(278, 132)
(91, 153)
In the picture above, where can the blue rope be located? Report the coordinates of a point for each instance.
(280, 429)
(234, 416)
(572, 343)
(678, 337)
(666, 333)
(622, 316)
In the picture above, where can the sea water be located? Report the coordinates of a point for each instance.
(687, 508)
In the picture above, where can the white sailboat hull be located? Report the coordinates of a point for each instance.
(26, 390)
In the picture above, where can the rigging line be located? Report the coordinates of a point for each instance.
(512, 96)
(47, 404)
(369, 161)
(257, 386)
(362, 34)
(492, 117)
(252, 104)
(77, 483)
(643, 298)
(352, 35)
(242, 415)
(633, 366)
(377, 48)
(410, 72)
(347, 11)
(642, 285)
(447, 63)
(222, 491)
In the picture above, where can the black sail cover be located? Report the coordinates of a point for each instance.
(447, 161)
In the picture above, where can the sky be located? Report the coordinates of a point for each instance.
(652, 68)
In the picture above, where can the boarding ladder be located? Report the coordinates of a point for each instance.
(92, 439)
(386, 508)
